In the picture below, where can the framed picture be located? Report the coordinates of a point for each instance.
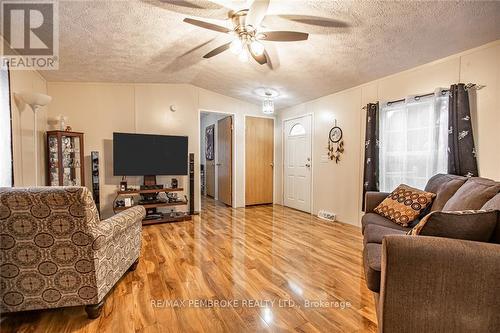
(209, 142)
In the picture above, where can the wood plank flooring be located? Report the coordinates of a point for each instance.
(305, 274)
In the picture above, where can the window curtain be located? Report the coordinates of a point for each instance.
(370, 177)
(6, 173)
(413, 140)
(461, 152)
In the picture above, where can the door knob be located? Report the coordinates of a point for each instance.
(308, 165)
(271, 164)
(218, 164)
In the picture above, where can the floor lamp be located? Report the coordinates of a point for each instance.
(35, 101)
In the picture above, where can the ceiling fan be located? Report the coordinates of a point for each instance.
(248, 34)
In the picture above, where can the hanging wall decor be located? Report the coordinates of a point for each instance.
(335, 143)
(209, 142)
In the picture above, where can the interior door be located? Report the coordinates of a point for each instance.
(224, 160)
(297, 163)
(259, 157)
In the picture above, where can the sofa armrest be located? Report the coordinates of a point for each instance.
(432, 284)
(118, 223)
(373, 199)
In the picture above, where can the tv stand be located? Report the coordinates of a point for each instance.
(154, 217)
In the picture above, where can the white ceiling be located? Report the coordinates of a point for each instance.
(146, 41)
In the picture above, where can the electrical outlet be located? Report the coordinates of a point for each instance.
(326, 215)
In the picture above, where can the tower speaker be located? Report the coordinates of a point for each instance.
(94, 158)
(191, 183)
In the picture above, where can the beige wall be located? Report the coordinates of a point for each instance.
(337, 187)
(99, 109)
(22, 129)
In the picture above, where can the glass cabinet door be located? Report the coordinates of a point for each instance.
(53, 161)
(71, 160)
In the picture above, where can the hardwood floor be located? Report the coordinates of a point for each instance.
(261, 253)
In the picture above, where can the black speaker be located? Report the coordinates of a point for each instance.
(191, 183)
(94, 159)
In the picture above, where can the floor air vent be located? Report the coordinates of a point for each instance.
(326, 215)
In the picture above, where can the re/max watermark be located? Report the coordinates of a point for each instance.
(248, 303)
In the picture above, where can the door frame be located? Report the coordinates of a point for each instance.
(283, 146)
(274, 152)
(233, 152)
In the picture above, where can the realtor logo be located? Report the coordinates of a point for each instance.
(30, 34)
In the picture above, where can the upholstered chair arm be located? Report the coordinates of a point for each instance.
(373, 199)
(117, 245)
(435, 284)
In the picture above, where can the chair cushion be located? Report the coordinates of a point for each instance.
(375, 233)
(404, 204)
(444, 186)
(372, 218)
(473, 194)
(372, 255)
(467, 225)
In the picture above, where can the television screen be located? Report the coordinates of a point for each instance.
(145, 155)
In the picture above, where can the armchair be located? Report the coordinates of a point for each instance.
(55, 252)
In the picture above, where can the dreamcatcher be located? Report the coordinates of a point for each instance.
(335, 143)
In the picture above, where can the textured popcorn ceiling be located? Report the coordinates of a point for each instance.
(146, 41)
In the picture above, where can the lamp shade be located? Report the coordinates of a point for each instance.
(34, 99)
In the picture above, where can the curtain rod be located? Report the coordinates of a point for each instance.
(444, 91)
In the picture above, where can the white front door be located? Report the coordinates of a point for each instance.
(297, 163)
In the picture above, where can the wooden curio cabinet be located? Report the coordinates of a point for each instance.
(65, 159)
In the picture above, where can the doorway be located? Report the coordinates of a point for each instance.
(297, 163)
(259, 160)
(216, 156)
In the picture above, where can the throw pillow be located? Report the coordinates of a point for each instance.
(473, 194)
(404, 204)
(474, 225)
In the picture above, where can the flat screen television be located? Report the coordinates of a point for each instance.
(149, 155)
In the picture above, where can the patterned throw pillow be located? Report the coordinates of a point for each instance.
(404, 204)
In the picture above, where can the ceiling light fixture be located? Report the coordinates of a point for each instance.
(268, 105)
(236, 46)
(268, 95)
(257, 48)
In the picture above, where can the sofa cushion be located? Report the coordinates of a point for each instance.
(375, 233)
(372, 255)
(473, 194)
(444, 186)
(373, 218)
(404, 204)
(467, 225)
(493, 203)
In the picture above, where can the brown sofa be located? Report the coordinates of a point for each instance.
(55, 251)
(447, 278)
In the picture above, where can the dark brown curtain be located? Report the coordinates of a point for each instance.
(370, 177)
(461, 152)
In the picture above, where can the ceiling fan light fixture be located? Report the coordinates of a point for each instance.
(257, 48)
(243, 56)
(236, 46)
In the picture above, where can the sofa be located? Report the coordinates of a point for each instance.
(56, 252)
(447, 278)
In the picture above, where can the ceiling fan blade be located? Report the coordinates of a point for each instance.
(206, 25)
(283, 36)
(257, 12)
(261, 59)
(216, 51)
(317, 21)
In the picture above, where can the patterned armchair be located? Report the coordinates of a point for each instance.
(55, 252)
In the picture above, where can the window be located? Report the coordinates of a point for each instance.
(297, 129)
(5, 129)
(413, 141)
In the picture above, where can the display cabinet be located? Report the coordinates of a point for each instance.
(65, 159)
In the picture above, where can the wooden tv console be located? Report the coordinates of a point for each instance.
(166, 216)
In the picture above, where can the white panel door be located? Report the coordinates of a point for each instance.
(297, 163)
